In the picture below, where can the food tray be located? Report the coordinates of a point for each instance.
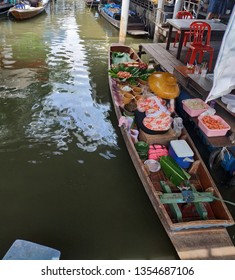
(195, 102)
(213, 132)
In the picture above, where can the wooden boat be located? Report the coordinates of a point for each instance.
(24, 11)
(4, 7)
(92, 3)
(135, 26)
(199, 232)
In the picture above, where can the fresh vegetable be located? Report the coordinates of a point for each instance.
(131, 73)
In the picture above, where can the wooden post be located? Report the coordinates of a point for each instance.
(91, 5)
(160, 7)
(177, 7)
(124, 21)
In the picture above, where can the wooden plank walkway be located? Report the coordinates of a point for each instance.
(160, 55)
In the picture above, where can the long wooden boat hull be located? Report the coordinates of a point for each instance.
(192, 239)
(23, 14)
(135, 26)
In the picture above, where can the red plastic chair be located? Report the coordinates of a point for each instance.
(182, 15)
(200, 35)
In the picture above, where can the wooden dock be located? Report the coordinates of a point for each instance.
(160, 55)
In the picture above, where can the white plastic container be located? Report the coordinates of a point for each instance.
(210, 77)
(231, 108)
(228, 99)
(181, 153)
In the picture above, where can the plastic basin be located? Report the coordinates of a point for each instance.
(194, 106)
(213, 132)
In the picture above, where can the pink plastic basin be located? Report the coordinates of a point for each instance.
(213, 132)
(194, 106)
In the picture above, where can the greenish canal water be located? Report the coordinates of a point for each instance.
(66, 179)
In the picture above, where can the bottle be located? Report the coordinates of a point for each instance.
(178, 125)
(212, 104)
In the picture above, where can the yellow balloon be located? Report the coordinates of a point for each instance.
(164, 85)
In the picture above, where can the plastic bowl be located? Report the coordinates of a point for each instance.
(231, 107)
(153, 165)
(228, 99)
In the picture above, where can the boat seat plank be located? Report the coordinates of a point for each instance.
(168, 198)
(173, 206)
(201, 209)
(214, 244)
(161, 55)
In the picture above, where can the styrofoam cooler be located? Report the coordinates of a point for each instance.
(181, 152)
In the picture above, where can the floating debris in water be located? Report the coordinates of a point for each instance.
(34, 161)
(110, 154)
(57, 153)
(104, 156)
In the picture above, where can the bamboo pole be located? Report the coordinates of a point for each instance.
(160, 7)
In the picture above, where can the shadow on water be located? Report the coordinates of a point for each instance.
(66, 179)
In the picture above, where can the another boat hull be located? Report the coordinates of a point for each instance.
(135, 26)
(22, 15)
(27, 13)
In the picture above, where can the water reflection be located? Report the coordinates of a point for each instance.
(67, 110)
(64, 116)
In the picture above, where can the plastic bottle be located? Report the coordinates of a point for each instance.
(212, 104)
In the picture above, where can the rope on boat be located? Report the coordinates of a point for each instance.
(226, 201)
(188, 196)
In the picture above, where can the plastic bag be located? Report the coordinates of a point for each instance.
(224, 79)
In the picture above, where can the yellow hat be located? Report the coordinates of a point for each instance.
(164, 85)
